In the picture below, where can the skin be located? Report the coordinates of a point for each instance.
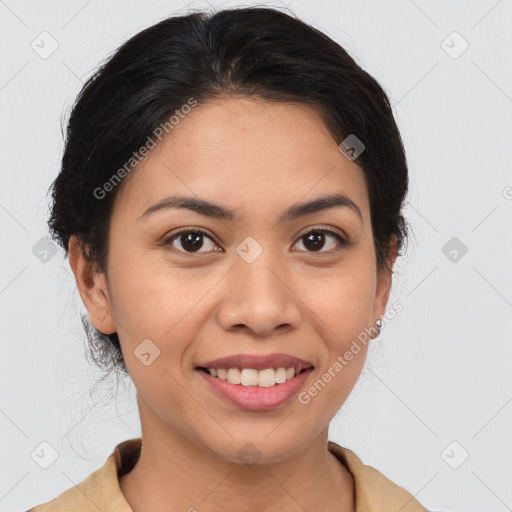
(257, 158)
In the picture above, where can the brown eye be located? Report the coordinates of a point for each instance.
(316, 239)
(191, 240)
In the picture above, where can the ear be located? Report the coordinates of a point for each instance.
(384, 279)
(92, 287)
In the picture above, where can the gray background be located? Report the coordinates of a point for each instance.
(437, 385)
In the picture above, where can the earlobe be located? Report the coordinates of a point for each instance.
(92, 288)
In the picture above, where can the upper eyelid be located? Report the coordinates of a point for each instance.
(323, 227)
(319, 227)
(329, 229)
(190, 229)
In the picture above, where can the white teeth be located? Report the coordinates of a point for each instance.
(234, 376)
(267, 378)
(251, 377)
(280, 375)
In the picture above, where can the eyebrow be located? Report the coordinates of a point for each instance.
(209, 209)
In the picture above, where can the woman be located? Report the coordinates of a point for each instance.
(230, 200)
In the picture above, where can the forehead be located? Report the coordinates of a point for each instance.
(246, 154)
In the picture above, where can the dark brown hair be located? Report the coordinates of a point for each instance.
(257, 52)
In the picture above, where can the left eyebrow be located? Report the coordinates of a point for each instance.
(320, 204)
(209, 209)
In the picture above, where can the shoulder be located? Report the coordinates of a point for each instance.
(373, 490)
(100, 490)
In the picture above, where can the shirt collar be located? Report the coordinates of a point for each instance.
(373, 491)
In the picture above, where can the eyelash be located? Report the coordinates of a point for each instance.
(320, 229)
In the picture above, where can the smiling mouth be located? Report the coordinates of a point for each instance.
(266, 378)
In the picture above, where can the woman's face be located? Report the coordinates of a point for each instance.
(252, 283)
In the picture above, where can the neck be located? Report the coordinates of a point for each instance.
(175, 470)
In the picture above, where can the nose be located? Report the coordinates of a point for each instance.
(258, 298)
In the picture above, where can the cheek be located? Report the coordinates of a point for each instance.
(326, 394)
(341, 303)
(333, 381)
(161, 304)
(142, 288)
(342, 312)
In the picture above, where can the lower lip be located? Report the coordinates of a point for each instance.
(253, 397)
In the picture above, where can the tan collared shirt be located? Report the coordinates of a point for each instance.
(100, 490)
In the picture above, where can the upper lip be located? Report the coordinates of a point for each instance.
(258, 362)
